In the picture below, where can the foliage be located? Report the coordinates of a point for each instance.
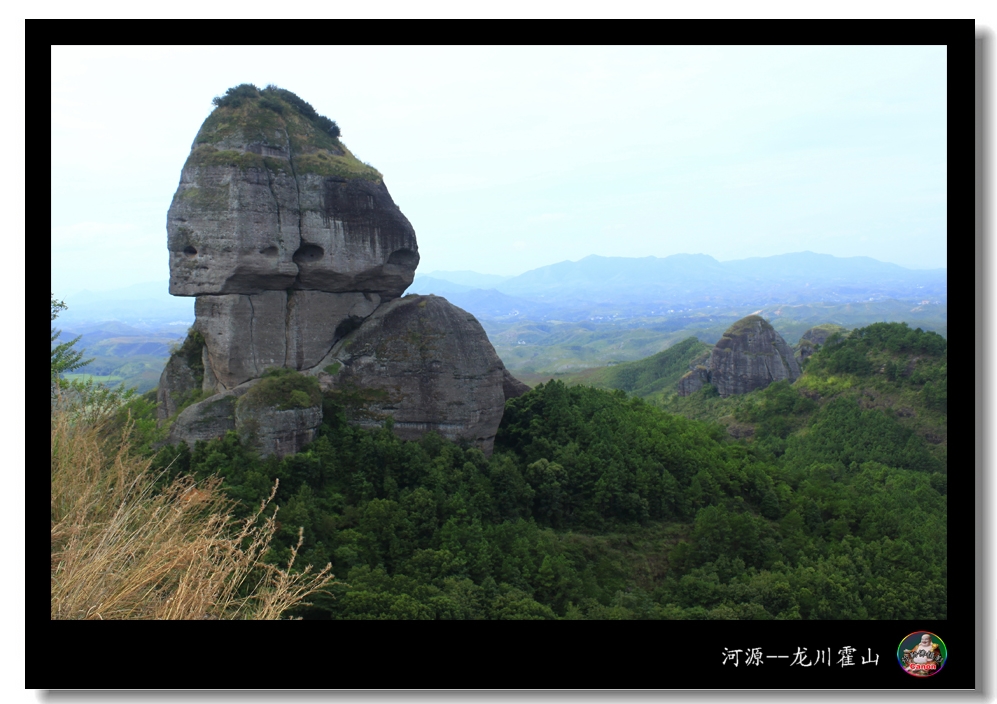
(850, 354)
(64, 357)
(276, 118)
(236, 96)
(275, 99)
(596, 505)
(321, 121)
(89, 403)
(284, 389)
(192, 351)
(646, 376)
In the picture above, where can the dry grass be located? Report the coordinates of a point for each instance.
(121, 549)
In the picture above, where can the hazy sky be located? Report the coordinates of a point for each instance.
(505, 159)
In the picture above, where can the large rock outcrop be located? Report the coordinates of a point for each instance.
(429, 365)
(297, 256)
(750, 355)
(268, 200)
(208, 419)
(814, 338)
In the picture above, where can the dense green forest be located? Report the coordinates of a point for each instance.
(825, 499)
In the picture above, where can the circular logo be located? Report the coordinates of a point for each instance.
(922, 654)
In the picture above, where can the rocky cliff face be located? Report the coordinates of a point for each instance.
(269, 201)
(750, 355)
(297, 256)
(431, 367)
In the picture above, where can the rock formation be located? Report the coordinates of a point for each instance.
(297, 256)
(814, 338)
(750, 355)
(430, 366)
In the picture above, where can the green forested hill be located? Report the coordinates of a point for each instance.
(646, 376)
(596, 504)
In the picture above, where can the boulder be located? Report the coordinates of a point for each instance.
(182, 377)
(750, 355)
(272, 431)
(281, 413)
(177, 383)
(316, 320)
(268, 200)
(208, 419)
(426, 364)
(693, 381)
(297, 256)
(244, 335)
(814, 338)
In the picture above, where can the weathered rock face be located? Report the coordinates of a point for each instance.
(245, 335)
(693, 381)
(749, 356)
(175, 384)
(814, 338)
(182, 377)
(430, 366)
(511, 386)
(208, 419)
(277, 432)
(268, 201)
(297, 256)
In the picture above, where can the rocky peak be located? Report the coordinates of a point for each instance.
(814, 338)
(750, 355)
(269, 199)
(298, 256)
(429, 365)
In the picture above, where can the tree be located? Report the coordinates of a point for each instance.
(64, 357)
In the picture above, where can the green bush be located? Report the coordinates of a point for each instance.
(270, 104)
(321, 121)
(283, 389)
(234, 97)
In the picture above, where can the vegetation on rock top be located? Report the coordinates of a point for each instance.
(276, 118)
(283, 389)
(747, 323)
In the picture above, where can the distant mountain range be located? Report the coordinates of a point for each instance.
(592, 289)
(600, 287)
(572, 315)
(147, 306)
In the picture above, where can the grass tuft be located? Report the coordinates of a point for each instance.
(123, 549)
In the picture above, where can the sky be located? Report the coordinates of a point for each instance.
(505, 159)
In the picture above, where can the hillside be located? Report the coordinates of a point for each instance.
(549, 348)
(824, 499)
(885, 367)
(641, 378)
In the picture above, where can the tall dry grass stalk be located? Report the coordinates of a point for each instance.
(123, 550)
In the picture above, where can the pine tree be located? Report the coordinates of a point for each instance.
(64, 357)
